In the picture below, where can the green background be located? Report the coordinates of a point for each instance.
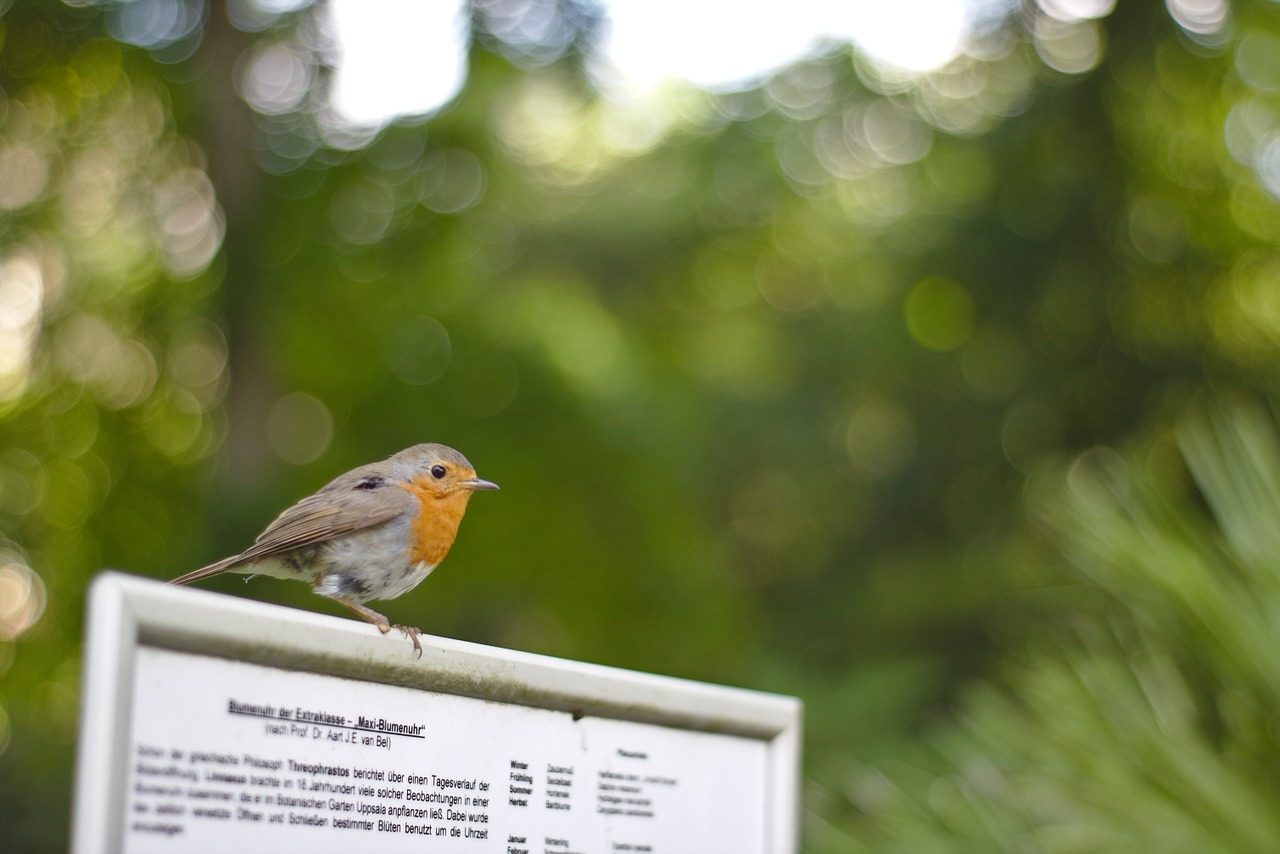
(942, 403)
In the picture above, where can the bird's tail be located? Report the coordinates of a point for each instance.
(207, 571)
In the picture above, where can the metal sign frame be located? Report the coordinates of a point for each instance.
(126, 613)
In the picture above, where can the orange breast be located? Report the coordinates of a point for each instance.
(436, 525)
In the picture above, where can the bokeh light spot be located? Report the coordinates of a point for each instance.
(68, 495)
(361, 212)
(155, 23)
(451, 180)
(419, 350)
(55, 707)
(880, 199)
(893, 134)
(275, 80)
(299, 428)
(580, 337)
(1199, 17)
(1269, 165)
(197, 360)
(1258, 60)
(880, 439)
(21, 481)
(742, 355)
(939, 314)
(1250, 321)
(1249, 124)
(21, 296)
(119, 372)
(786, 287)
(1070, 47)
(1071, 10)
(22, 601)
(177, 427)
(190, 222)
(24, 171)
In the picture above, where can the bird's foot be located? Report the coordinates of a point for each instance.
(412, 634)
(409, 631)
(384, 625)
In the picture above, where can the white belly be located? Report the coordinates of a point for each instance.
(371, 564)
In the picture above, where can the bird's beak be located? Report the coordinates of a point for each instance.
(475, 484)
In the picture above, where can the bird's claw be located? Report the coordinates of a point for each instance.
(412, 634)
(409, 631)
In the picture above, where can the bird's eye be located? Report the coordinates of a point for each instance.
(437, 471)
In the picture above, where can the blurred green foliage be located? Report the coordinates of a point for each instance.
(1143, 720)
(763, 374)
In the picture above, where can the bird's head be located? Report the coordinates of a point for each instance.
(438, 471)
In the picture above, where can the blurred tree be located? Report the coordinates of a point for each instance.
(761, 371)
(111, 376)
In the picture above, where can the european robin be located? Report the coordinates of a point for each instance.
(372, 533)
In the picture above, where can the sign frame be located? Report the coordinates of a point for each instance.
(127, 612)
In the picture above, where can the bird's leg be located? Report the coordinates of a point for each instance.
(383, 624)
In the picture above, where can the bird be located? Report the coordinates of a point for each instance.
(374, 532)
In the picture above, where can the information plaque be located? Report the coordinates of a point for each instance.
(212, 723)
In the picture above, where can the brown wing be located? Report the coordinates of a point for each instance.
(351, 502)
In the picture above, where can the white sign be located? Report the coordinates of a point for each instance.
(212, 724)
(229, 754)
